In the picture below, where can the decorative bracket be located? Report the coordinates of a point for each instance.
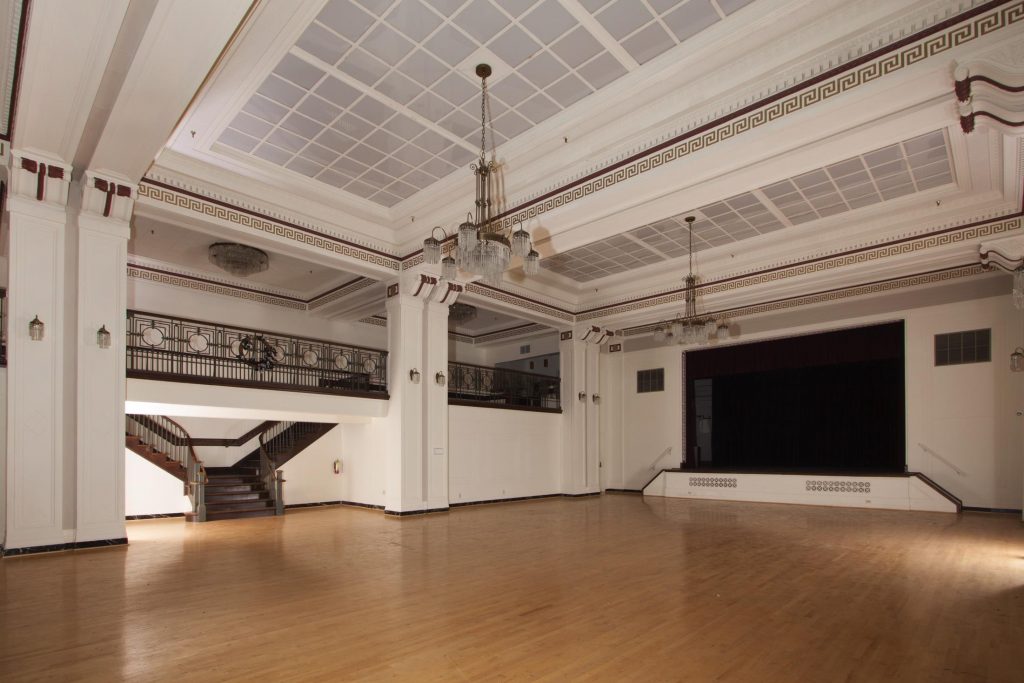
(45, 180)
(108, 198)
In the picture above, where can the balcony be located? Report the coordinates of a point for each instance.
(475, 385)
(172, 349)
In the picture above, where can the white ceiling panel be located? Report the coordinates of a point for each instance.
(907, 167)
(363, 64)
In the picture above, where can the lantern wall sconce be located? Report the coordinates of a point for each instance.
(103, 337)
(439, 379)
(582, 396)
(414, 376)
(596, 398)
(1017, 360)
(36, 329)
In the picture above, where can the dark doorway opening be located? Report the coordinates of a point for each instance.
(831, 402)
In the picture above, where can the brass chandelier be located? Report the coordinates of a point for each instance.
(692, 327)
(483, 247)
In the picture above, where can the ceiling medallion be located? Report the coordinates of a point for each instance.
(483, 247)
(238, 259)
(692, 327)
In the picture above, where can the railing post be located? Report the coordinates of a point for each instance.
(278, 492)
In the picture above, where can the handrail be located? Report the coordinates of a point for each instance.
(489, 367)
(667, 451)
(170, 348)
(502, 387)
(271, 476)
(170, 438)
(938, 457)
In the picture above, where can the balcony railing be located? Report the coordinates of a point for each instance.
(178, 349)
(502, 388)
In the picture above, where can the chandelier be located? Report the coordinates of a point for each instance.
(692, 327)
(483, 247)
(461, 313)
(238, 259)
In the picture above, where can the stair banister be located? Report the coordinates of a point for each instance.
(175, 441)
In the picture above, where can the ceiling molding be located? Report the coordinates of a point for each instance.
(164, 277)
(175, 276)
(833, 295)
(824, 86)
(16, 23)
(869, 254)
(163, 193)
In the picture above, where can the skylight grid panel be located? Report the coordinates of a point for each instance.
(891, 181)
(237, 140)
(928, 170)
(898, 191)
(888, 169)
(934, 181)
(935, 139)
(778, 190)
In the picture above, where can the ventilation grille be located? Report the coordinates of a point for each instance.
(714, 482)
(824, 486)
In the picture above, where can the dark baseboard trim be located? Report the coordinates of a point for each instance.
(504, 500)
(59, 547)
(410, 513)
(968, 508)
(635, 492)
(368, 506)
(159, 515)
(324, 503)
(580, 495)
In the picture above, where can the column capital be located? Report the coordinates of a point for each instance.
(39, 177)
(108, 196)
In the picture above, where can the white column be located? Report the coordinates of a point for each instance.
(435, 413)
(575, 400)
(404, 467)
(36, 512)
(592, 477)
(102, 300)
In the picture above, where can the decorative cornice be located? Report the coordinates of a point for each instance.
(18, 47)
(923, 44)
(512, 332)
(896, 247)
(170, 275)
(831, 295)
(340, 292)
(209, 286)
(502, 296)
(167, 194)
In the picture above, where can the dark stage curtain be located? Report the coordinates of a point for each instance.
(826, 402)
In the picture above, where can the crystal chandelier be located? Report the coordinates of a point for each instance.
(483, 247)
(692, 327)
(238, 259)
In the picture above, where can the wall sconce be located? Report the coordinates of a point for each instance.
(439, 378)
(596, 398)
(582, 396)
(414, 376)
(103, 337)
(36, 329)
(1017, 360)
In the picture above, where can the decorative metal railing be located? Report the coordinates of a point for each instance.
(168, 437)
(179, 349)
(3, 328)
(500, 387)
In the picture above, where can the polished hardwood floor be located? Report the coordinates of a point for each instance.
(612, 588)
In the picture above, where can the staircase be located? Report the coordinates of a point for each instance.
(237, 491)
(241, 490)
(166, 444)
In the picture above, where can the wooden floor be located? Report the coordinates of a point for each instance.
(613, 588)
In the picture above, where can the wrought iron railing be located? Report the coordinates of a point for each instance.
(179, 349)
(3, 328)
(168, 437)
(501, 387)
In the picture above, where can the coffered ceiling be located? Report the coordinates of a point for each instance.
(375, 97)
(334, 134)
(920, 163)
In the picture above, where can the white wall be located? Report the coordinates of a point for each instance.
(495, 453)
(309, 476)
(149, 490)
(363, 465)
(966, 413)
(539, 346)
